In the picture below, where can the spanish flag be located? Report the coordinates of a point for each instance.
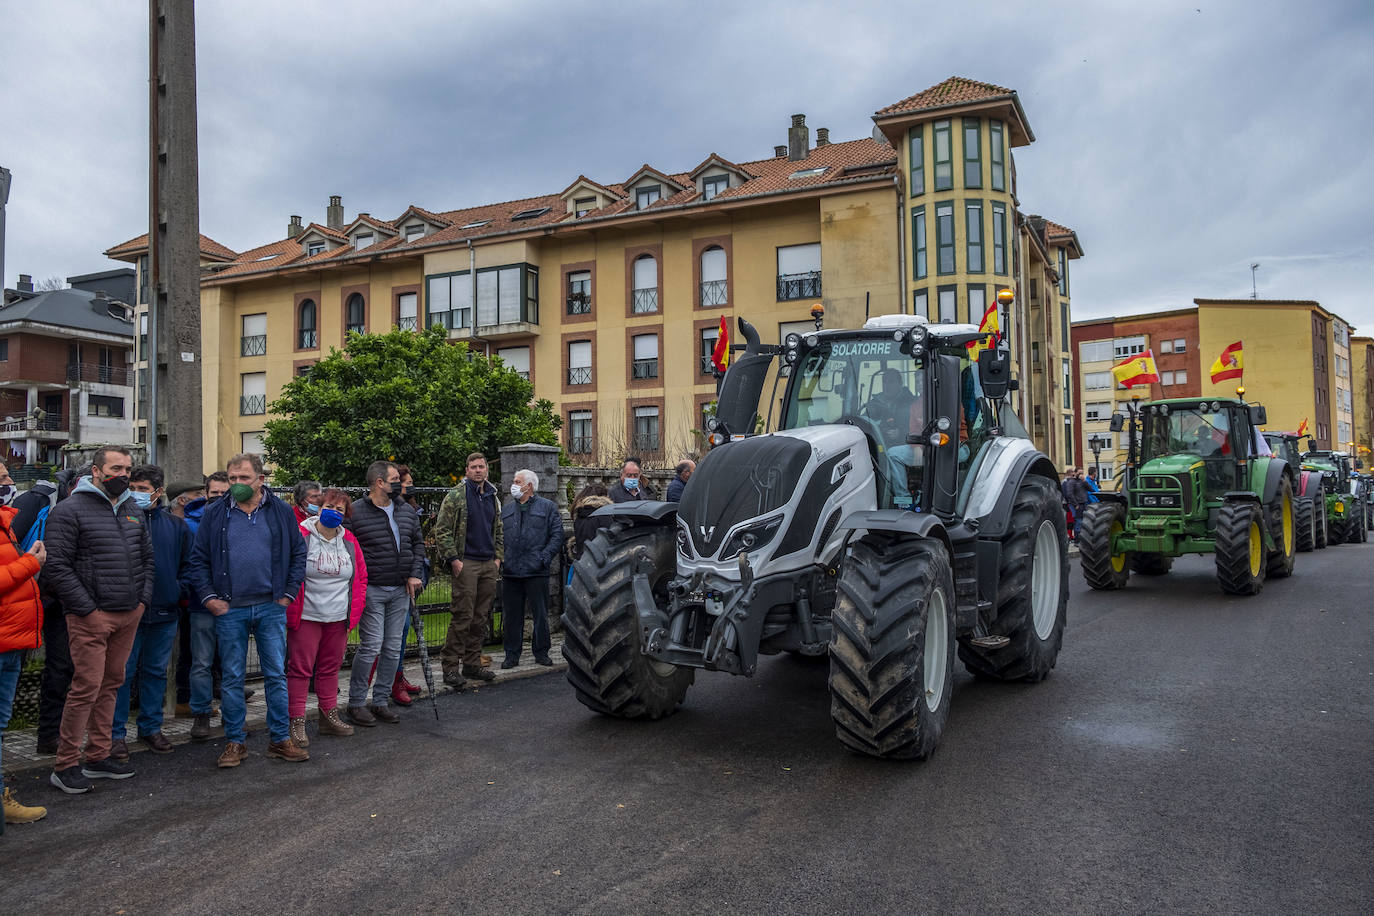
(720, 355)
(1230, 364)
(1136, 370)
(1302, 428)
(990, 324)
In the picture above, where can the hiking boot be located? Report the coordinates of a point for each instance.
(545, 661)
(361, 715)
(288, 751)
(455, 679)
(385, 714)
(71, 780)
(15, 813)
(486, 661)
(298, 736)
(331, 724)
(200, 729)
(109, 768)
(232, 755)
(157, 743)
(401, 684)
(509, 663)
(478, 673)
(400, 696)
(119, 750)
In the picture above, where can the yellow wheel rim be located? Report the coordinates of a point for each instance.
(1287, 513)
(1256, 549)
(1118, 559)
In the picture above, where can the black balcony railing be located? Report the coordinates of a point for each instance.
(799, 286)
(580, 304)
(48, 424)
(253, 345)
(645, 441)
(309, 339)
(406, 323)
(644, 368)
(713, 292)
(580, 375)
(356, 329)
(105, 375)
(580, 445)
(645, 301)
(250, 404)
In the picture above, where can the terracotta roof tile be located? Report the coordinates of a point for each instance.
(957, 90)
(208, 247)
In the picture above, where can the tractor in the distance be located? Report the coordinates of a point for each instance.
(1200, 479)
(1345, 521)
(1309, 502)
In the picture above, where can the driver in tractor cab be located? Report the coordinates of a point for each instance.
(894, 409)
(1212, 440)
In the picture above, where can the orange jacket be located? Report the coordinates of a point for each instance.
(21, 611)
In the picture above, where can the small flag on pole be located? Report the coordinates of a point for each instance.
(991, 325)
(720, 354)
(1136, 370)
(1230, 364)
(1302, 428)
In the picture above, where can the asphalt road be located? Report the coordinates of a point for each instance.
(1191, 753)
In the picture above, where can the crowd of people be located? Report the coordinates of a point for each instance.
(1079, 489)
(110, 566)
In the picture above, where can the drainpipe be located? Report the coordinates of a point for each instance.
(901, 246)
(472, 276)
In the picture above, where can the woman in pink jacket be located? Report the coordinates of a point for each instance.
(317, 622)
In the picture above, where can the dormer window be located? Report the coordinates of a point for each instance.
(415, 232)
(645, 197)
(314, 248)
(712, 185)
(362, 240)
(583, 205)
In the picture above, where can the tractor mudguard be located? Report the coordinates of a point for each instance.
(897, 521)
(640, 512)
(1273, 479)
(1104, 497)
(993, 524)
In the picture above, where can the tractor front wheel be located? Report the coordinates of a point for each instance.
(1102, 568)
(1240, 549)
(1304, 524)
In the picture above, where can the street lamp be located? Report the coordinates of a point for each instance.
(1095, 443)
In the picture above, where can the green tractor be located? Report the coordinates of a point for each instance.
(1345, 520)
(1200, 479)
(1309, 503)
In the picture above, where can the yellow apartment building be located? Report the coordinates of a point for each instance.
(608, 296)
(1362, 366)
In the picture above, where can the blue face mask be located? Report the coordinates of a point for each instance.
(144, 500)
(331, 518)
(312, 509)
(632, 483)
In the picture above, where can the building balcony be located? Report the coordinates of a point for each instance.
(505, 331)
(579, 304)
(714, 293)
(645, 441)
(644, 369)
(580, 445)
(253, 345)
(645, 301)
(308, 339)
(406, 323)
(252, 404)
(799, 286)
(49, 427)
(98, 374)
(579, 375)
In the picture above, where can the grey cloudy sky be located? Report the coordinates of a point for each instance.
(1183, 141)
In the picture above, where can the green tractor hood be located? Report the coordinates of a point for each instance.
(1174, 465)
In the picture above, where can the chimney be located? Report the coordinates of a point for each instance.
(822, 137)
(333, 214)
(779, 150)
(798, 139)
(25, 284)
(294, 228)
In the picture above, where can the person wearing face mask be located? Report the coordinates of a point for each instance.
(198, 670)
(158, 629)
(534, 535)
(394, 551)
(330, 603)
(305, 499)
(247, 567)
(100, 564)
(8, 491)
(630, 486)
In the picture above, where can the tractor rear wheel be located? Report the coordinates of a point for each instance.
(601, 626)
(1240, 549)
(892, 650)
(1279, 564)
(1102, 568)
(1151, 564)
(1304, 523)
(1032, 590)
(1337, 531)
(1320, 532)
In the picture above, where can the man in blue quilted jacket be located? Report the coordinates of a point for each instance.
(534, 535)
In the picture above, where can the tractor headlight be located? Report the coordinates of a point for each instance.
(752, 537)
(684, 540)
(792, 348)
(812, 339)
(1168, 502)
(1149, 500)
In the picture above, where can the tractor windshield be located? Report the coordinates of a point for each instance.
(869, 383)
(1206, 433)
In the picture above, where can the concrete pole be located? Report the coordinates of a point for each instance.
(5, 177)
(174, 390)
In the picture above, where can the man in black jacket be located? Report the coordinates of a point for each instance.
(534, 535)
(630, 486)
(388, 531)
(100, 563)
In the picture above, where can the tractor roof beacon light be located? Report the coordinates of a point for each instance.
(1240, 392)
(1006, 296)
(818, 315)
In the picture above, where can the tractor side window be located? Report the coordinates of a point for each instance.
(974, 423)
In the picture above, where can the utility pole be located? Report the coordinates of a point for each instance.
(174, 357)
(4, 199)
(1254, 291)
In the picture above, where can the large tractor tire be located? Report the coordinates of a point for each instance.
(1240, 549)
(1283, 529)
(1151, 564)
(1337, 531)
(1304, 524)
(1356, 527)
(1032, 590)
(1320, 531)
(1103, 569)
(601, 626)
(892, 651)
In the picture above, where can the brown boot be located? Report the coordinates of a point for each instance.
(16, 813)
(331, 724)
(232, 755)
(287, 750)
(298, 736)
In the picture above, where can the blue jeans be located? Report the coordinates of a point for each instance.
(202, 662)
(379, 637)
(148, 662)
(11, 663)
(267, 624)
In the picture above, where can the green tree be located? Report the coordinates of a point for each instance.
(408, 396)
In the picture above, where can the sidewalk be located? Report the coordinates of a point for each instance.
(20, 752)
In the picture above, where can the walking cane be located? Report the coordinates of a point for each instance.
(424, 655)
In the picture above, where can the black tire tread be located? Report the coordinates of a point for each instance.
(1151, 564)
(1095, 548)
(1233, 549)
(1304, 525)
(1279, 565)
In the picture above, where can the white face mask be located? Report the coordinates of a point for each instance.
(516, 490)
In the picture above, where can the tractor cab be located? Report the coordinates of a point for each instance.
(1179, 437)
(1285, 446)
